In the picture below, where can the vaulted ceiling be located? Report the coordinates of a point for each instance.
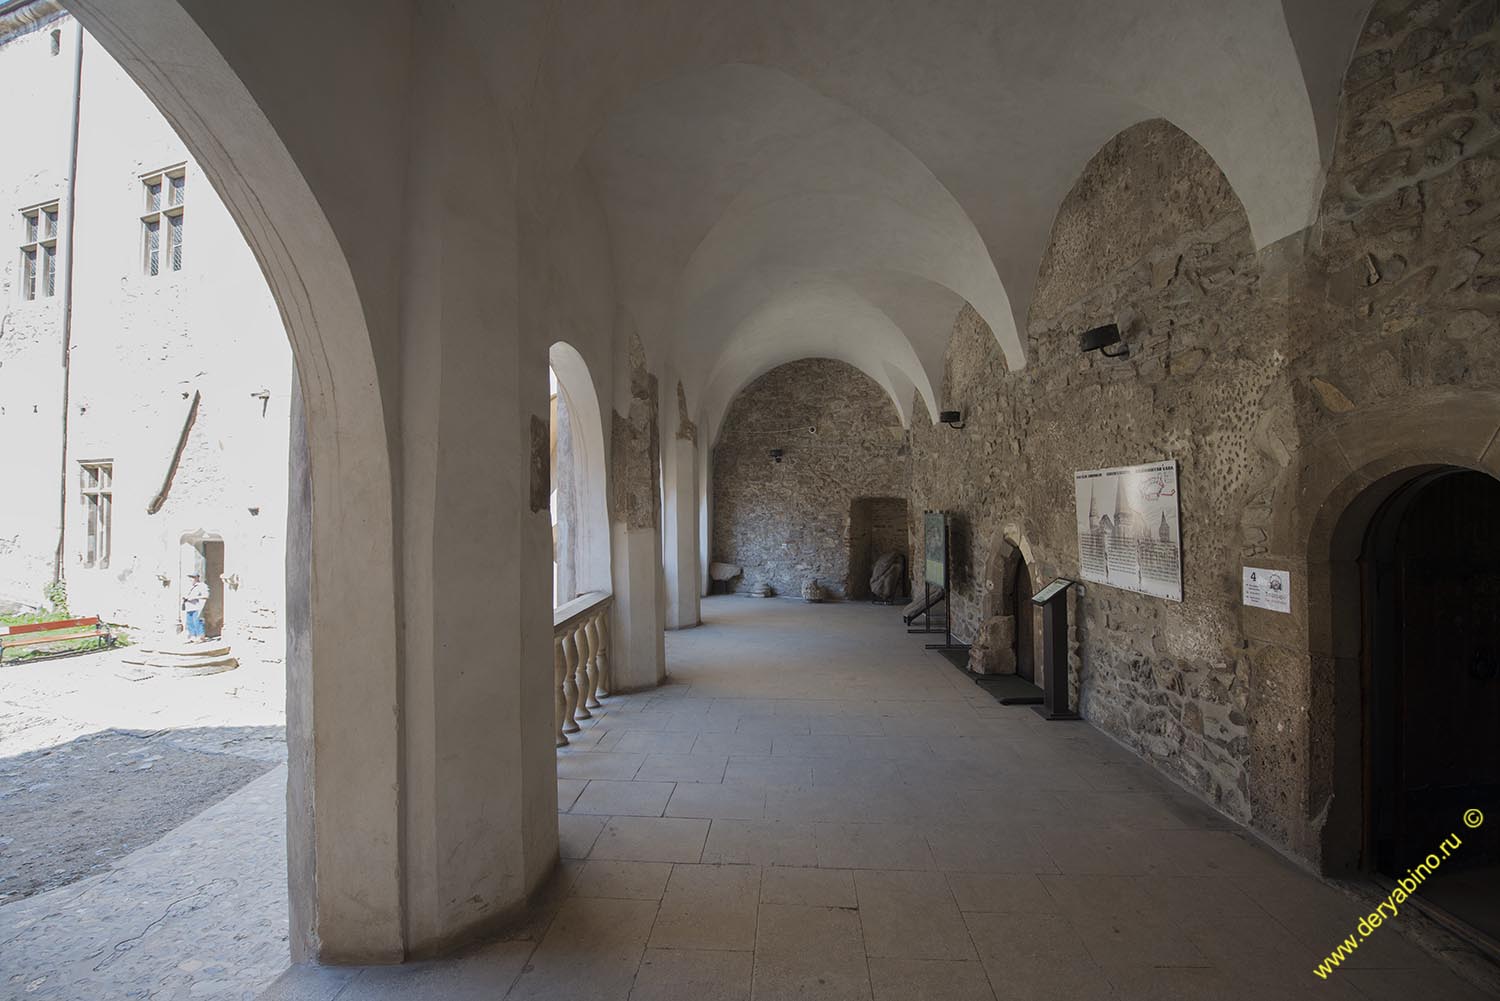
(785, 178)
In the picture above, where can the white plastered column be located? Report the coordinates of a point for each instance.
(679, 461)
(637, 645)
(479, 770)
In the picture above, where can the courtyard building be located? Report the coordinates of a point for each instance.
(146, 375)
(991, 500)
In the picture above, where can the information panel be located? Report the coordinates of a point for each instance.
(1049, 592)
(1270, 589)
(935, 546)
(1128, 531)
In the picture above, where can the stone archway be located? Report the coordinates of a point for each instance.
(344, 836)
(1009, 566)
(1306, 743)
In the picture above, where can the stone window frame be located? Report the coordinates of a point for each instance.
(163, 201)
(96, 492)
(38, 261)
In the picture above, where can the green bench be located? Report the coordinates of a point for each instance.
(57, 631)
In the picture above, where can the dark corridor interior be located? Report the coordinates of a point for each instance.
(1020, 591)
(1432, 655)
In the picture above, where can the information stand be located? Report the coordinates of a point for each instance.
(1054, 601)
(936, 538)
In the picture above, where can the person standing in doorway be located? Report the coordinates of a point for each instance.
(193, 603)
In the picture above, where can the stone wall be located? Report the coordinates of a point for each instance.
(1239, 359)
(1153, 238)
(1393, 360)
(788, 522)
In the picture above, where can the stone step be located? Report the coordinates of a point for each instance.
(195, 651)
(179, 666)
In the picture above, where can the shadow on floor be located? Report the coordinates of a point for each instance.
(74, 809)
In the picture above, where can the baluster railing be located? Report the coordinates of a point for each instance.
(580, 659)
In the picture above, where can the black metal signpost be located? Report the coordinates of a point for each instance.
(956, 653)
(1054, 601)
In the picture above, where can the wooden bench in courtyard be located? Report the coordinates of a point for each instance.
(57, 631)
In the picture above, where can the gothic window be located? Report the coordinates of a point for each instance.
(39, 252)
(98, 504)
(161, 224)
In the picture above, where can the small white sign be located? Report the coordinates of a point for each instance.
(1271, 589)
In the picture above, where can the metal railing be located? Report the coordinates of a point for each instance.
(580, 659)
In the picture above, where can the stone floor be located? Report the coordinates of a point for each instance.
(200, 911)
(817, 809)
(199, 914)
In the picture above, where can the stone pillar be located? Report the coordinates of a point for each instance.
(680, 518)
(637, 650)
(479, 769)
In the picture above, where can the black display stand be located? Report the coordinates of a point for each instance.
(956, 653)
(1054, 601)
(926, 613)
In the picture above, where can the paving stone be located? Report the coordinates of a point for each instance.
(808, 887)
(910, 915)
(622, 880)
(809, 953)
(693, 975)
(605, 797)
(651, 839)
(709, 907)
(929, 980)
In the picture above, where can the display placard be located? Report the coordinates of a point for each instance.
(1128, 531)
(1269, 589)
(1049, 592)
(935, 547)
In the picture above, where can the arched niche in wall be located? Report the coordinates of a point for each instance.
(1008, 638)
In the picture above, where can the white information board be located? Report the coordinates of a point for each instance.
(1270, 589)
(1049, 592)
(1128, 531)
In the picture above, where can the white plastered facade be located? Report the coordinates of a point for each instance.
(142, 347)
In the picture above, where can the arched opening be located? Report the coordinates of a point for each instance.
(1430, 662)
(1020, 606)
(580, 519)
(1414, 581)
(342, 801)
(803, 468)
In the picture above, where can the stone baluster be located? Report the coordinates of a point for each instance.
(591, 661)
(559, 699)
(581, 669)
(601, 625)
(570, 682)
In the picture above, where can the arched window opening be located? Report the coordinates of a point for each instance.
(579, 515)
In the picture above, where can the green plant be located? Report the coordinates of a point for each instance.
(57, 593)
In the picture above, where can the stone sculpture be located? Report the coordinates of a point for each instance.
(888, 576)
(813, 591)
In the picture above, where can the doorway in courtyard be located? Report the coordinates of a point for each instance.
(1430, 660)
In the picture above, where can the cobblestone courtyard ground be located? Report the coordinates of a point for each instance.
(142, 845)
